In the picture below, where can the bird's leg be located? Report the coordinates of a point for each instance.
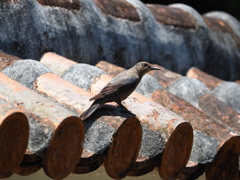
(119, 103)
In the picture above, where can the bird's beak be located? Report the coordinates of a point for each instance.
(154, 68)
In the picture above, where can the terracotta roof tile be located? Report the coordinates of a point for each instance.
(47, 122)
(76, 99)
(172, 16)
(124, 32)
(7, 60)
(67, 4)
(165, 76)
(210, 81)
(14, 133)
(135, 103)
(118, 8)
(56, 63)
(117, 126)
(182, 135)
(143, 166)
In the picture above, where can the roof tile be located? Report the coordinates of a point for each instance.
(14, 133)
(172, 16)
(118, 8)
(210, 81)
(48, 121)
(108, 119)
(67, 4)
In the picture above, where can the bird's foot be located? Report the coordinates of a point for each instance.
(123, 107)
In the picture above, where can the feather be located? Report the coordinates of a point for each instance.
(90, 111)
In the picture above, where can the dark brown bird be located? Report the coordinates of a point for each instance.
(119, 88)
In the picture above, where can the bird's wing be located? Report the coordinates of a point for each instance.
(116, 87)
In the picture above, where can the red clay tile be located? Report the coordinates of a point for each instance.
(30, 164)
(118, 8)
(86, 169)
(62, 91)
(111, 69)
(14, 133)
(220, 111)
(226, 162)
(30, 157)
(172, 16)
(7, 60)
(170, 168)
(217, 24)
(47, 118)
(164, 76)
(175, 135)
(143, 166)
(75, 98)
(65, 148)
(26, 169)
(67, 4)
(136, 103)
(237, 81)
(192, 171)
(56, 63)
(117, 162)
(210, 81)
(199, 121)
(87, 164)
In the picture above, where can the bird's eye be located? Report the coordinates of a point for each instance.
(145, 65)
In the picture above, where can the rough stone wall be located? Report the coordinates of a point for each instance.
(123, 33)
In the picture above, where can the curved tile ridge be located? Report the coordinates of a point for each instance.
(108, 128)
(54, 130)
(7, 60)
(157, 129)
(210, 81)
(229, 19)
(67, 4)
(217, 24)
(224, 22)
(190, 10)
(219, 168)
(14, 133)
(172, 16)
(118, 8)
(56, 63)
(30, 164)
(89, 35)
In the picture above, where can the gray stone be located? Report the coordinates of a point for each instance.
(148, 85)
(82, 75)
(189, 89)
(229, 93)
(204, 148)
(98, 136)
(38, 136)
(26, 71)
(152, 143)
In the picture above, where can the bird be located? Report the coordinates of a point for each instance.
(119, 88)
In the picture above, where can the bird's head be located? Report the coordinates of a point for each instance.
(144, 67)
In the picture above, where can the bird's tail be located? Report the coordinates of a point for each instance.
(89, 111)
